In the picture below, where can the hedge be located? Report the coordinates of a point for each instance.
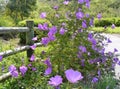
(37, 33)
(103, 22)
(6, 21)
(36, 22)
(107, 22)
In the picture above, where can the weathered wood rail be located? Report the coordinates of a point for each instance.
(29, 35)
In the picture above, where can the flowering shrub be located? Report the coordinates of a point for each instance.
(74, 46)
(75, 52)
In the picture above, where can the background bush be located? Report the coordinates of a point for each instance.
(107, 22)
(6, 21)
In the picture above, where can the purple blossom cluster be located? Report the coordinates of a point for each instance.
(14, 72)
(49, 66)
(71, 75)
(23, 70)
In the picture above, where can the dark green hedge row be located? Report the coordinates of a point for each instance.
(6, 21)
(37, 32)
(107, 22)
(36, 22)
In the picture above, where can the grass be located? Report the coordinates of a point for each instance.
(107, 30)
(7, 45)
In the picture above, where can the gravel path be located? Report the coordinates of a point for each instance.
(115, 38)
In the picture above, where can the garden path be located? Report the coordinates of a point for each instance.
(115, 38)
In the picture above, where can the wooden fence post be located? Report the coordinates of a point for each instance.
(29, 36)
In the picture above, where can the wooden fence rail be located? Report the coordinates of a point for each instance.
(29, 35)
(5, 30)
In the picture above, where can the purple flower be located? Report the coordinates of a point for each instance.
(45, 26)
(43, 15)
(62, 31)
(87, 15)
(53, 30)
(51, 36)
(105, 27)
(43, 52)
(55, 81)
(1, 57)
(91, 22)
(47, 62)
(33, 47)
(91, 61)
(79, 55)
(32, 58)
(87, 0)
(3, 68)
(83, 49)
(93, 41)
(29, 65)
(13, 70)
(88, 4)
(83, 62)
(115, 50)
(94, 47)
(56, 7)
(113, 65)
(109, 41)
(66, 2)
(119, 63)
(99, 16)
(23, 70)
(80, 30)
(80, 1)
(94, 80)
(40, 27)
(84, 24)
(45, 40)
(99, 73)
(90, 35)
(34, 69)
(34, 39)
(115, 60)
(48, 71)
(63, 24)
(113, 26)
(14, 74)
(79, 15)
(73, 76)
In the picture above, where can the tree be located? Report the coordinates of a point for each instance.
(2, 5)
(20, 9)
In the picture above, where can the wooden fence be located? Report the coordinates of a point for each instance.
(29, 35)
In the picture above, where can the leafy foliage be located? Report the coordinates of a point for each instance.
(19, 9)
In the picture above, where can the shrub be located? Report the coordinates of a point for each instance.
(37, 33)
(6, 21)
(117, 23)
(75, 47)
(107, 22)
